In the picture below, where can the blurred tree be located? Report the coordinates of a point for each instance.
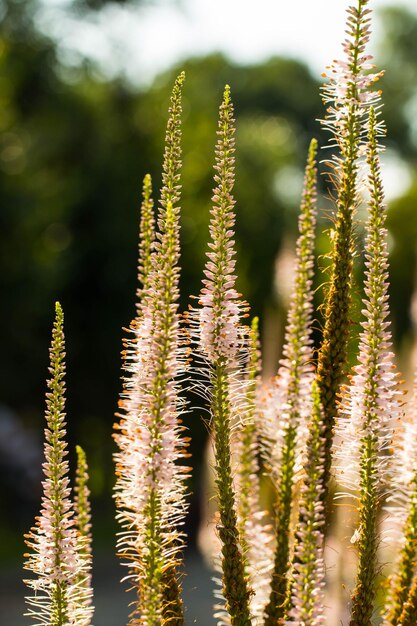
(68, 188)
(73, 151)
(96, 5)
(403, 228)
(398, 53)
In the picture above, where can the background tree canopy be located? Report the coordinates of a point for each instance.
(73, 151)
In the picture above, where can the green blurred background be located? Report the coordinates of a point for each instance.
(74, 147)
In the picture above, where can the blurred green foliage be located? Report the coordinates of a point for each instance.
(398, 53)
(73, 151)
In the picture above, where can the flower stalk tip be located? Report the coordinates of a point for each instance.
(146, 237)
(54, 556)
(349, 96)
(150, 490)
(220, 340)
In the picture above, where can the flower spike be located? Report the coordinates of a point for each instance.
(254, 530)
(146, 238)
(371, 405)
(220, 341)
(59, 599)
(408, 615)
(308, 578)
(404, 505)
(349, 95)
(150, 490)
(288, 402)
(82, 518)
(349, 92)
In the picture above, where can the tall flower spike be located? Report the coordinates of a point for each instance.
(371, 405)
(288, 402)
(150, 489)
(146, 239)
(254, 531)
(408, 615)
(140, 327)
(54, 558)
(82, 518)
(308, 578)
(349, 97)
(404, 501)
(219, 335)
(348, 92)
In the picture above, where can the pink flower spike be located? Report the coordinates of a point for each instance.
(54, 555)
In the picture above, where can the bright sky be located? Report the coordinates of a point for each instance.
(144, 41)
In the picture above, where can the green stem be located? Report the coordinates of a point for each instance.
(333, 351)
(152, 564)
(332, 358)
(409, 613)
(401, 582)
(364, 593)
(276, 607)
(235, 585)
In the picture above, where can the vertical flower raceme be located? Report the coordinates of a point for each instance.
(82, 518)
(371, 405)
(150, 489)
(138, 346)
(408, 615)
(254, 531)
(404, 504)
(246, 449)
(288, 402)
(59, 599)
(137, 353)
(308, 576)
(349, 96)
(146, 240)
(82, 499)
(220, 343)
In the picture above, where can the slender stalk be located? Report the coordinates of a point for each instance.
(247, 448)
(372, 401)
(349, 97)
(400, 584)
(146, 240)
(289, 401)
(219, 335)
(404, 499)
(54, 557)
(82, 518)
(235, 586)
(150, 490)
(408, 615)
(307, 586)
(364, 593)
(254, 530)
